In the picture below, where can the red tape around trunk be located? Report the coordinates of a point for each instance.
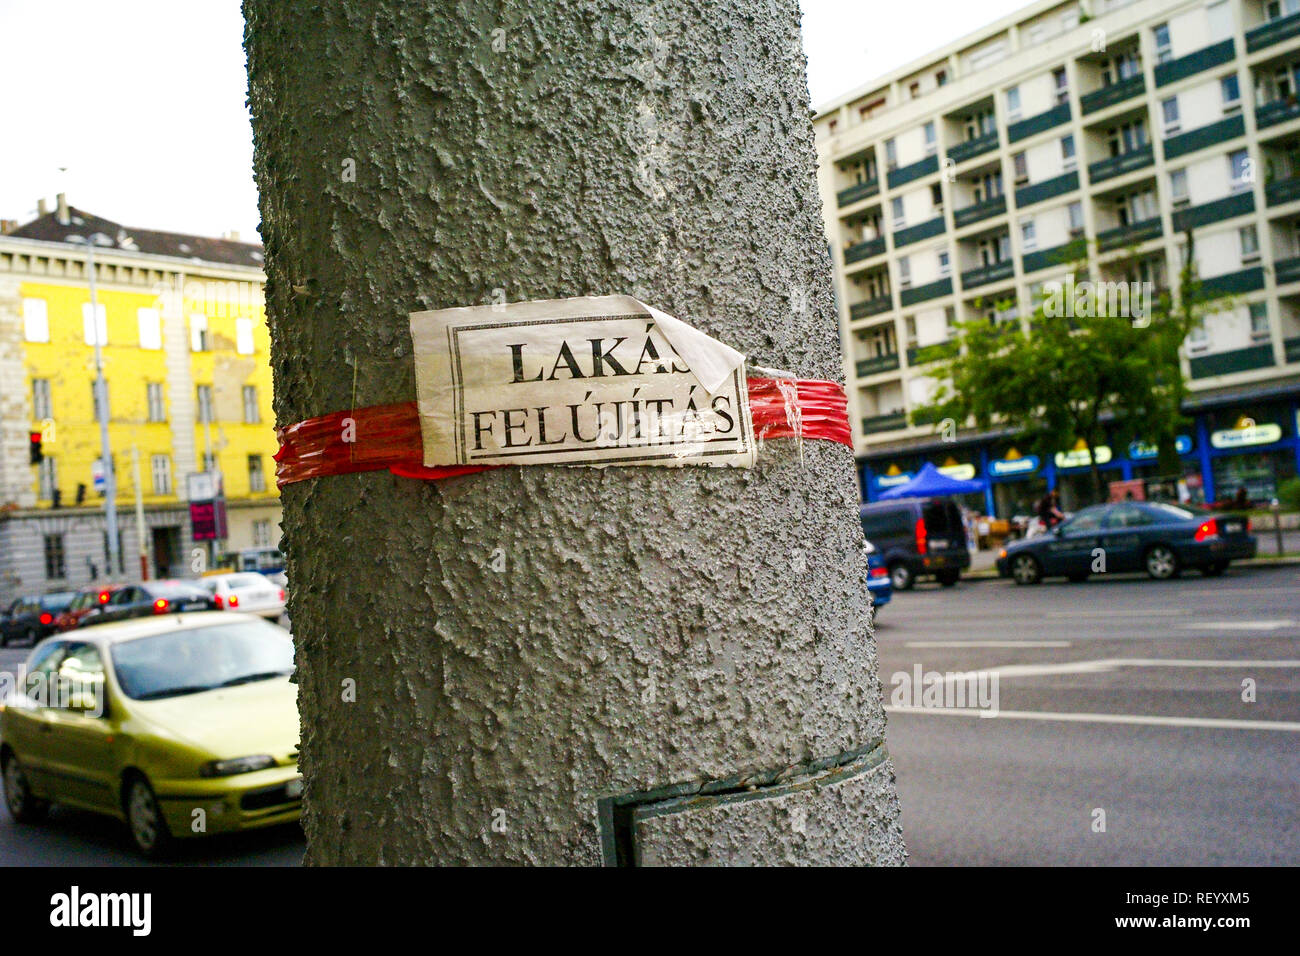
(388, 436)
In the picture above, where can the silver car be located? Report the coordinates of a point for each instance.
(246, 591)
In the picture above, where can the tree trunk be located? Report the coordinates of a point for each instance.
(652, 627)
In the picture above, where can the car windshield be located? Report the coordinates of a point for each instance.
(192, 660)
(246, 581)
(1170, 512)
(58, 601)
(174, 590)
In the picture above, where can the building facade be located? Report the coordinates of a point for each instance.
(969, 184)
(184, 340)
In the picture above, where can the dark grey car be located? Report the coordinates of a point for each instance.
(918, 537)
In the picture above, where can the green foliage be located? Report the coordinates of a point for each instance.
(1288, 493)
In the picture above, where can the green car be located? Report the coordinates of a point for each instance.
(181, 726)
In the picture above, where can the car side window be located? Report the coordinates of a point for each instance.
(124, 596)
(81, 680)
(1127, 516)
(1084, 521)
(41, 670)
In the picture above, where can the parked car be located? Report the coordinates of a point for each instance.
(88, 602)
(918, 537)
(246, 591)
(31, 617)
(146, 598)
(264, 560)
(878, 583)
(1157, 537)
(152, 721)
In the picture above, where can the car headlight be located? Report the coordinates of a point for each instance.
(226, 768)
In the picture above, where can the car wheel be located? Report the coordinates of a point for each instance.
(144, 817)
(1214, 569)
(1161, 562)
(22, 805)
(901, 577)
(1026, 569)
(948, 578)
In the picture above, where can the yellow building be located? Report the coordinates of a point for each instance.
(185, 345)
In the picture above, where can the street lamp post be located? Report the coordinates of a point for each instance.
(106, 451)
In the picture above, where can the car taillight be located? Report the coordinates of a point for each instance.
(920, 536)
(234, 600)
(160, 606)
(881, 572)
(47, 619)
(219, 601)
(1249, 527)
(104, 596)
(1208, 529)
(281, 594)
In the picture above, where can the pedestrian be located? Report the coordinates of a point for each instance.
(1049, 510)
(1242, 500)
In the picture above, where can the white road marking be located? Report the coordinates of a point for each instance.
(1113, 663)
(1239, 625)
(1092, 615)
(986, 644)
(1218, 723)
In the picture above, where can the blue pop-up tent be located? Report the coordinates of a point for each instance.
(929, 482)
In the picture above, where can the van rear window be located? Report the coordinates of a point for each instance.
(887, 524)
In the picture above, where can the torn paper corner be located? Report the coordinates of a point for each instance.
(709, 359)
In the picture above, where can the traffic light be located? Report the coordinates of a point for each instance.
(37, 455)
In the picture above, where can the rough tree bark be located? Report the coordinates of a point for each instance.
(653, 626)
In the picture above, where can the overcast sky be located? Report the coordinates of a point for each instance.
(142, 101)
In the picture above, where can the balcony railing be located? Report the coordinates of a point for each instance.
(1115, 93)
(1057, 255)
(874, 366)
(1278, 111)
(846, 197)
(1205, 136)
(1234, 283)
(924, 230)
(884, 423)
(1240, 204)
(1037, 124)
(922, 293)
(986, 274)
(905, 174)
(881, 303)
(1119, 165)
(864, 250)
(1205, 58)
(973, 147)
(1037, 192)
(1292, 347)
(1287, 270)
(1129, 235)
(1238, 360)
(938, 352)
(1281, 191)
(979, 211)
(1275, 31)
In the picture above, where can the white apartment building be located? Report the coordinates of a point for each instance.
(961, 185)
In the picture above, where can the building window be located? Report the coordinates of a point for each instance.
(95, 396)
(1276, 9)
(96, 327)
(198, 333)
(262, 533)
(1239, 170)
(1178, 185)
(36, 320)
(1127, 137)
(204, 395)
(154, 399)
(904, 272)
(244, 336)
(1020, 167)
(1169, 114)
(1013, 104)
(1249, 243)
(914, 89)
(47, 478)
(150, 325)
(55, 564)
(42, 406)
(896, 210)
(1231, 91)
(1259, 321)
(252, 414)
(936, 197)
(1068, 160)
(1062, 85)
(1028, 235)
(891, 154)
(830, 128)
(945, 264)
(931, 141)
(256, 479)
(161, 468)
(1075, 215)
(1164, 50)
(941, 78)
(1198, 339)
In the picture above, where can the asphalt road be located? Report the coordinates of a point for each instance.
(1121, 695)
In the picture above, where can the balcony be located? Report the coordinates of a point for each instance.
(986, 274)
(1281, 191)
(1037, 124)
(1205, 58)
(924, 230)
(1240, 204)
(1278, 111)
(881, 303)
(1287, 270)
(1238, 360)
(973, 147)
(1189, 142)
(864, 250)
(923, 293)
(979, 211)
(1275, 31)
(874, 366)
(938, 352)
(1292, 347)
(905, 174)
(883, 423)
(1037, 192)
(1119, 165)
(1110, 95)
(1129, 235)
(1057, 255)
(1234, 283)
(846, 197)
